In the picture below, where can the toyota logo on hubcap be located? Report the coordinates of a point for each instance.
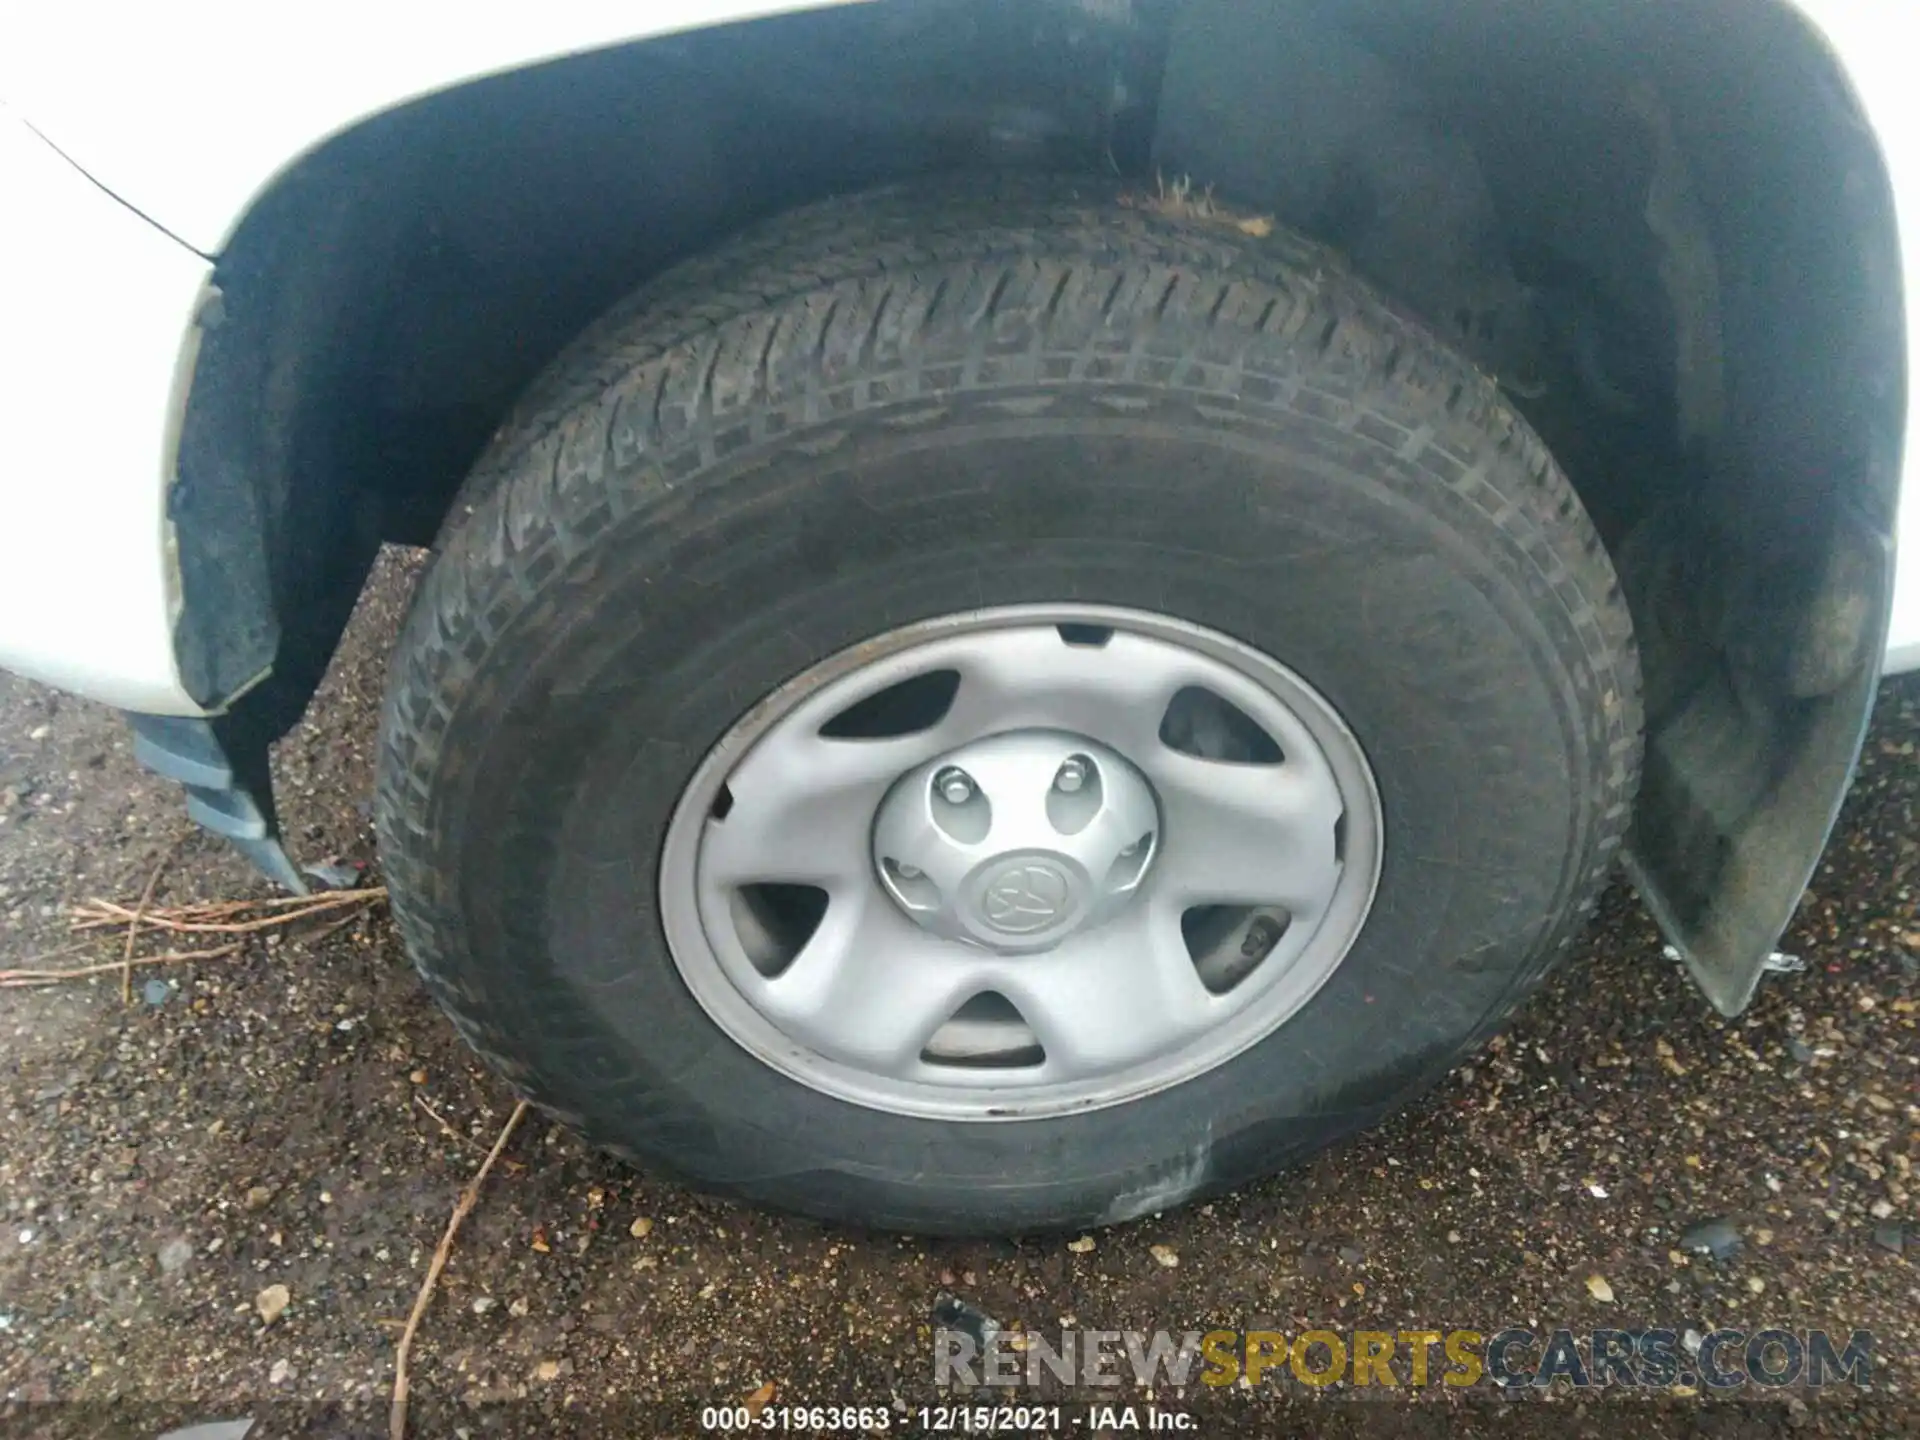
(1026, 896)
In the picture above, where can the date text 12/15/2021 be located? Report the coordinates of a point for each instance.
(949, 1419)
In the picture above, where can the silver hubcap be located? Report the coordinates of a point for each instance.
(1017, 841)
(1021, 862)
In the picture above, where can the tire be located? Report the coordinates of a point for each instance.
(917, 403)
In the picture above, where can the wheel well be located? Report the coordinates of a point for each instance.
(1667, 229)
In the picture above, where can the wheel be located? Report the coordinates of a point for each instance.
(997, 709)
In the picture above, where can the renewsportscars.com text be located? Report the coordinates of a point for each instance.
(1514, 1356)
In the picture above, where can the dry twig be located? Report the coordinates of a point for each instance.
(36, 961)
(1181, 201)
(28, 978)
(97, 913)
(214, 909)
(397, 1414)
(139, 913)
(441, 1120)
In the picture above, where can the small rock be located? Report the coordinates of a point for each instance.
(547, 1371)
(1165, 1255)
(517, 1308)
(758, 1401)
(281, 1372)
(1081, 1246)
(1349, 1255)
(1756, 1284)
(1890, 1237)
(272, 1302)
(1691, 1341)
(1801, 1052)
(1453, 1237)
(39, 732)
(257, 1197)
(1598, 1287)
(1881, 1210)
(1718, 1237)
(950, 1312)
(485, 1303)
(174, 1254)
(640, 1227)
(156, 993)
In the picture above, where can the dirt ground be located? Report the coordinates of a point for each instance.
(299, 1115)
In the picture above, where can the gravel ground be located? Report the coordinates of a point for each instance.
(299, 1115)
